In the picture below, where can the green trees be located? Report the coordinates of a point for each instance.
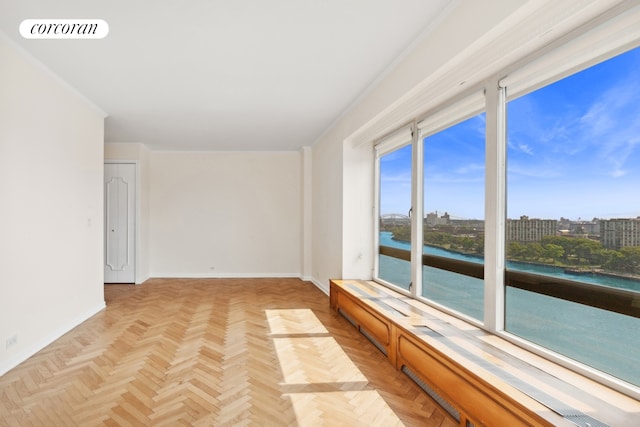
(573, 252)
(462, 242)
(551, 251)
(400, 232)
(627, 260)
(577, 252)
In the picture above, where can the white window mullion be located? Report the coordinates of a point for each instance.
(495, 208)
(376, 213)
(417, 215)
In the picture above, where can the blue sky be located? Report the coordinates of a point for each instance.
(573, 151)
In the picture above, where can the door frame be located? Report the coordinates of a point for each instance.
(136, 236)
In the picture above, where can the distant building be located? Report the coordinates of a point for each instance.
(432, 219)
(585, 227)
(620, 232)
(530, 230)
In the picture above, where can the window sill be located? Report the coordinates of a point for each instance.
(489, 380)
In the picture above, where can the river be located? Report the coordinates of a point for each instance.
(606, 341)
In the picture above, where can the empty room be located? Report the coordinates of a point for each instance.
(301, 213)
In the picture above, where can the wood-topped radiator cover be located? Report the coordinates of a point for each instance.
(478, 401)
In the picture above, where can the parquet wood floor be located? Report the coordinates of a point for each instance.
(213, 352)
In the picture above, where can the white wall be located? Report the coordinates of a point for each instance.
(51, 154)
(306, 206)
(326, 217)
(223, 214)
(140, 154)
(238, 212)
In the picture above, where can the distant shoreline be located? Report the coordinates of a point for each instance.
(576, 271)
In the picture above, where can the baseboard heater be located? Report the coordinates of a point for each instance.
(364, 332)
(434, 395)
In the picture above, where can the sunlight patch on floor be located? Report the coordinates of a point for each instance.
(319, 377)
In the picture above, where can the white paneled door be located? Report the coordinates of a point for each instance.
(119, 205)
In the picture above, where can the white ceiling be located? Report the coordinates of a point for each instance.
(225, 74)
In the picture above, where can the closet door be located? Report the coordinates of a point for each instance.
(120, 201)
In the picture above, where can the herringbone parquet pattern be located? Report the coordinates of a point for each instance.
(213, 352)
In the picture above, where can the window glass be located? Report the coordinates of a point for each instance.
(453, 225)
(395, 223)
(602, 339)
(573, 174)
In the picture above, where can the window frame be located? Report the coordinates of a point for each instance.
(393, 141)
(467, 105)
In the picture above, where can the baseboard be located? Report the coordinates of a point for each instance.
(20, 356)
(316, 283)
(319, 285)
(142, 280)
(224, 275)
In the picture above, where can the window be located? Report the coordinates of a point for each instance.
(573, 169)
(453, 224)
(555, 227)
(394, 206)
(422, 235)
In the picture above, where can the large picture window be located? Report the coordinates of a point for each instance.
(534, 186)
(573, 174)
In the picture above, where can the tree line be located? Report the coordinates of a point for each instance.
(460, 239)
(574, 252)
(578, 252)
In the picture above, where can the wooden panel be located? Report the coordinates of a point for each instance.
(333, 295)
(376, 326)
(481, 402)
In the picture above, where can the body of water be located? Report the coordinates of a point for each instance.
(606, 341)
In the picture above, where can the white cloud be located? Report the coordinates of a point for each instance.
(470, 168)
(611, 127)
(534, 170)
(525, 148)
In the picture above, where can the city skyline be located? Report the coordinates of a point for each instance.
(560, 220)
(573, 152)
